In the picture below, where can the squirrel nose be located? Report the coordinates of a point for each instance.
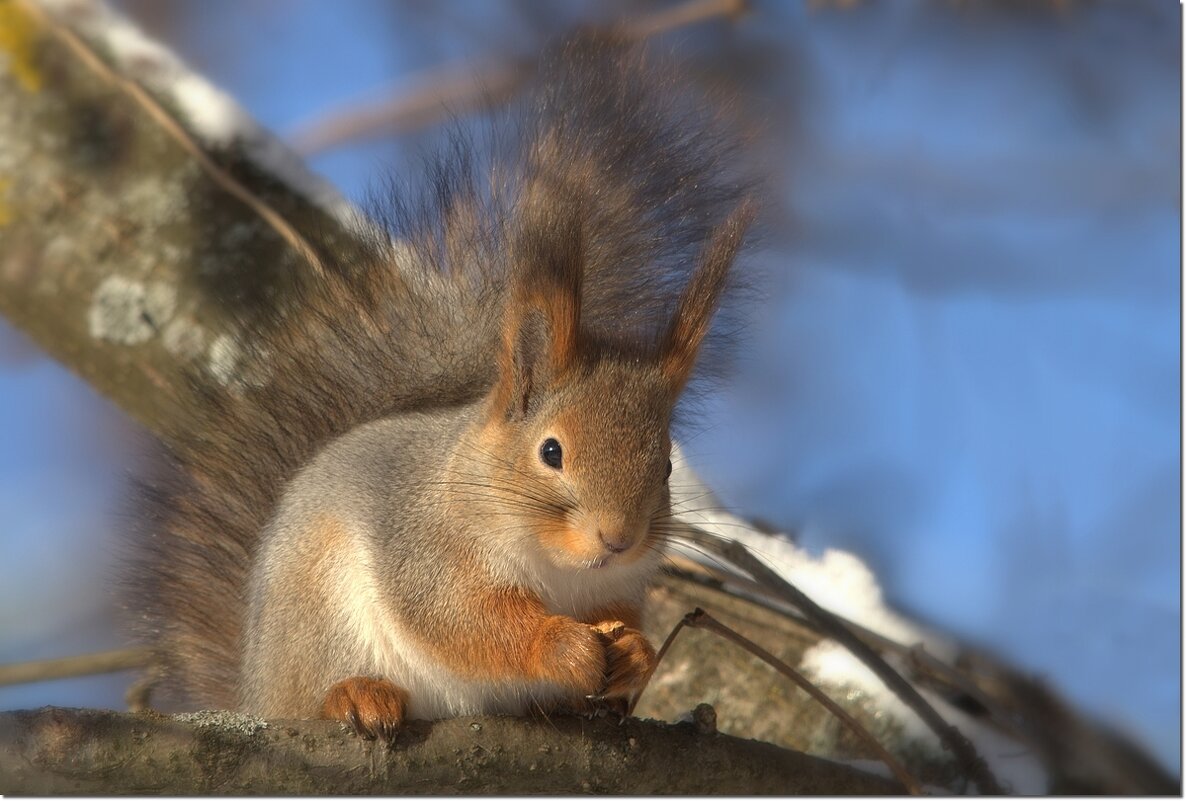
(614, 543)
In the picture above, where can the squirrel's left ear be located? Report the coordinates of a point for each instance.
(693, 316)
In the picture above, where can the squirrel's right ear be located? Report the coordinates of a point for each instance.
(693, 315)
(541, 328)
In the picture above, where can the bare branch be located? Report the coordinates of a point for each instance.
(417, 103)
(121, 235)
(971, 762)
(686, 14)
(63, 751)
(74, 666)
(702, 620)
(459, 89)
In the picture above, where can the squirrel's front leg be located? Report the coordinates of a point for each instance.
(512, 636)
(502, 636)
(495, 636)
(601, 654)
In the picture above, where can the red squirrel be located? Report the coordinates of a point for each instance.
(449, 493)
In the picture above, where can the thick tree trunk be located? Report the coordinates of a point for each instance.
(132, 239)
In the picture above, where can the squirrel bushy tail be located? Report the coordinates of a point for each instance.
(609, 144)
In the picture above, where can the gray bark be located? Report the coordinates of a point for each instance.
(64, 751)
(119, 246)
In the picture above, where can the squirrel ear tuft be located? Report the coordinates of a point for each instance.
(543, 318)
(693, 315)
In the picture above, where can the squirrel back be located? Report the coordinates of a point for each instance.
(618, 192)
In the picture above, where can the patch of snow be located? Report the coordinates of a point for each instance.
(138, 56)
(214, 116)
(1016, 766)
(843, 584)
(836, 580)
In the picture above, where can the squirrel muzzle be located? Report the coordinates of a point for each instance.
(611, 537)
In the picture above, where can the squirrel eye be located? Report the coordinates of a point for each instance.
(668, 470)
(550, 453)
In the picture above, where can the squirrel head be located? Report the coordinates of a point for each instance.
(575, 437)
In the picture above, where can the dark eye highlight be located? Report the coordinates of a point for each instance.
(551, 454)
(668, 475)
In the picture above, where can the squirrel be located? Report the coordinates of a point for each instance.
(448, 494)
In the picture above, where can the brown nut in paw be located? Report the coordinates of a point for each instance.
(372, 707)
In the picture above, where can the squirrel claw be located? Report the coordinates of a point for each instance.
(603, 705)
(356, 724)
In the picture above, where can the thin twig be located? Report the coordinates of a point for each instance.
(686, 14)
(73, 666)
(658, 658)
(418, 103)
(700, 619)
(138, 696)
(935, 672)
(970, 760)
(457, 89)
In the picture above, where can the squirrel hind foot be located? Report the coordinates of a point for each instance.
(373, 708)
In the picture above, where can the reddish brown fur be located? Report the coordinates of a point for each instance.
(548, 271)
(564, 319)
(564, 538)
(629, 655)
(629, 660)
(693, 318)
(510, 635)
(374, 707)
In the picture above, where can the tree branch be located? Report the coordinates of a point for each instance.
(121, 221)
(832, 626)
(439, 93)
(73, 666)
(64, 751)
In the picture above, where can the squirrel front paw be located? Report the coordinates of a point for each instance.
(373, 707)
(629, 659)
(605, 662)
(572, 655)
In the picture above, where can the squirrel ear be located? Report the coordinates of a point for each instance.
(693, 316)
(542, 328)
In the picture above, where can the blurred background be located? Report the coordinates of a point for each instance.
(966, 368)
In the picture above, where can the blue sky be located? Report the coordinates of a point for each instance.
(967, 369)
